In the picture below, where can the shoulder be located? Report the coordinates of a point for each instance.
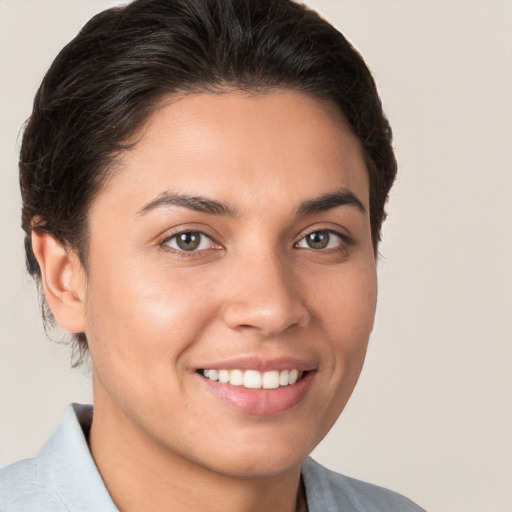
(327, 490)
(22, 489)
(62, 477)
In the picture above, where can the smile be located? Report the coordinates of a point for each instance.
(254, 379)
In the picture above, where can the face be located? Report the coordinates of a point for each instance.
(231, 281)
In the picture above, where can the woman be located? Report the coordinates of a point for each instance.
(203, 189)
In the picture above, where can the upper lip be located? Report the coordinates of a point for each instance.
(261, 364)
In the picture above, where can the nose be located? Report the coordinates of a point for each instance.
(264, 296)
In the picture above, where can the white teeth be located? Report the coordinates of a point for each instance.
(223, 376)
(294, 375)
(271, 380)
(236, 378)
(253, 379)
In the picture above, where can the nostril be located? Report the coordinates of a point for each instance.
(271, 317)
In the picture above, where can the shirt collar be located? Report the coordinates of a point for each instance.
(66, 464)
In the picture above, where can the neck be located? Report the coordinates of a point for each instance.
(140, 474)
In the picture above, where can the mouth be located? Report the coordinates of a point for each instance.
(256, 392)
(254, 379)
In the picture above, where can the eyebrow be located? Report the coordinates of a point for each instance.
(342, 197)
(196, 203)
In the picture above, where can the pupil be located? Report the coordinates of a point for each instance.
(188, 241)
(318, 240)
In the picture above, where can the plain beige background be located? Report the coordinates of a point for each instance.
(432, 414)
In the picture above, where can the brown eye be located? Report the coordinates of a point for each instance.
(189, 241)
(322, 239)
(318, 239)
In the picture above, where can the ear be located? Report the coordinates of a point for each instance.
(63, 280)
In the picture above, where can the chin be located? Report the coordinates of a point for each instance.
(261, 465)
(263, 458)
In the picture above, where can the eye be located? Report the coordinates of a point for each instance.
(189, 241)
(322, 239)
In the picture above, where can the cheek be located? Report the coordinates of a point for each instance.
(346, 305)
(347, 311)
(140, 325)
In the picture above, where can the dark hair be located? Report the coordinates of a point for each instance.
(104, 84)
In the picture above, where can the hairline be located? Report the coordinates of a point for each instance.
(114, 164)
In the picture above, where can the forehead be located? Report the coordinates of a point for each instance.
(253, 150)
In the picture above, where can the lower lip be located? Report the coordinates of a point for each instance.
(261, 401)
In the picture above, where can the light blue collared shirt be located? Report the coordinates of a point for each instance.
(64, 478)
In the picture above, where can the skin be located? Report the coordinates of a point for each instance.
(154, 314)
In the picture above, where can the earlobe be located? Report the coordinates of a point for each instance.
(63, 279)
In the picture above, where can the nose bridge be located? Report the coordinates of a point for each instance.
(264, 295)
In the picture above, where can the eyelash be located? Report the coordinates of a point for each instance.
(181, 252)
(344, 242)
